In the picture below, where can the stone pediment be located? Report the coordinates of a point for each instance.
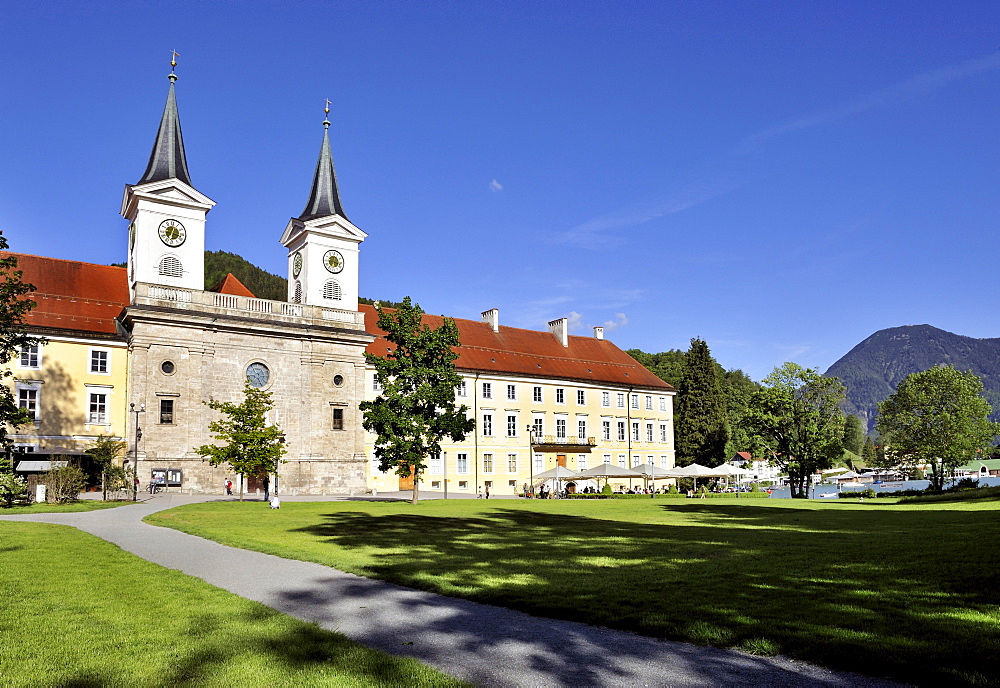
(169, 191)
(331, 226)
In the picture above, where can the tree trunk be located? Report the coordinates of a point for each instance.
(241, 487)
(104, 486)
(416, 483)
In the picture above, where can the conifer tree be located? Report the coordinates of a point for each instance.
(701, 409)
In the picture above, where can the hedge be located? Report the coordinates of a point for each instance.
(709, 495)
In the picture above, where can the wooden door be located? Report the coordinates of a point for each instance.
(406, 482)
(561, 460)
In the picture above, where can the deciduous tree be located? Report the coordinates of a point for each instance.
(106, 449)
(797, 416)
(14, 308)
(936, 418)
(248, 445)
(415, 408)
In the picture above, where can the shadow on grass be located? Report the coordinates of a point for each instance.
(904, 594)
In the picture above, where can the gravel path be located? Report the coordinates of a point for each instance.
(488, 646)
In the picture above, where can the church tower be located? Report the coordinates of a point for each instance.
(166, 213)
(323, 245)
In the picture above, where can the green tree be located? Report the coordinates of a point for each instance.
(14, 308)
(701, 409)
(797, 416)
(13, 488)
(869, 455)
(936, 418)
(106, 449)
(248, 445)
(666, 365)
(416, 408)
(64, 484)
(739, 388)
(854, 434)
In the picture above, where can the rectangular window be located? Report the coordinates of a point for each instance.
(489, 484)
(512, 463)
(560, 428)
(607, 458)
(462, 390)
(166, 411)
(511, 425)
(338, 419)
(581, 397)
(663, 403)
(487, 390)
(512, 392)
(649, 432)
(463, 464)
(487, 463)
(512, 483)
(664, 461)
(376, 387)
(538, 427)
(463, 484)
(27, 399)
(99, 361)
(606, 430)
(635, 460)
(581, 462)
(663, 432)
(620, 400)
(29, 356)
(581, 429)
(606, 399)
(621, 431)
(488, 424)
(560, 395)
(536, 394)
(649, 403)
(621, 460)
(650, 461)
(435, 484)
(98, 408)
(539, 462)
(635, 401)
(435, 465)
(635, 431)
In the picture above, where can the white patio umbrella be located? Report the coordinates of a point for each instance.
(559, 473)
(609, 470)
(696, 470)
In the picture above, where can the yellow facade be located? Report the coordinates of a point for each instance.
(75, 388)
(500, 454)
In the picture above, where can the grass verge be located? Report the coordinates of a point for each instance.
(78, 611)
(50, 508)
(907, 592)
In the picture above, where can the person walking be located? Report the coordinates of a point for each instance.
(229, 488)
(487, 492)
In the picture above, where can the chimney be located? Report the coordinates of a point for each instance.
(492, 317)
(560, 328)
(598, 333)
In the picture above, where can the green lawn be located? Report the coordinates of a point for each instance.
(78, 611)
(50, 508)
(905, 591)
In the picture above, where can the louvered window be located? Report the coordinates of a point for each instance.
(170, 266)
(298, 291)
(331, 290)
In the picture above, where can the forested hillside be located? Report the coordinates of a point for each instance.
(873, 368)
(263, 284)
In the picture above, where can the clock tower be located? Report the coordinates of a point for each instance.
(323, 245)
(166, 213)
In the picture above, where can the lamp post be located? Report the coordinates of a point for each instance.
(281, 440)
(531, 461)
(135, 455)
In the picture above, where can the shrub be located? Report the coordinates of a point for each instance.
(672, 490)
(849, 494)
(964, 484)
(755, 488)
(13, 489)
(606, 490)
(65, 484)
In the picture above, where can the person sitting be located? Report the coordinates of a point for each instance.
(275, 502)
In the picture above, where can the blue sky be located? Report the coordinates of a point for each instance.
(781, 179)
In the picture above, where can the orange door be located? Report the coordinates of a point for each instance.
(406, 483)
(561, 460)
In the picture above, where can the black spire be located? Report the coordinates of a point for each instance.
(167, 159)
(324, 199)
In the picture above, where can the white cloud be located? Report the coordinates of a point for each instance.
(575, 321)
(495, 186)
(621, 320)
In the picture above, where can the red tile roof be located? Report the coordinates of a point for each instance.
(230, 285)
(72, 295)
(532, 353)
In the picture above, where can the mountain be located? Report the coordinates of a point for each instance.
(873, 368)
(263, 284)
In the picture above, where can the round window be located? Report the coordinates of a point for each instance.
(258, 374)
(338, 380)
(167, 367)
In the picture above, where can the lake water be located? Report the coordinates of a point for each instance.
(818, 491)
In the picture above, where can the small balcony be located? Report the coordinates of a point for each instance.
(543, 440)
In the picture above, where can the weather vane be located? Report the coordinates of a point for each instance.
(326, 111)
(173, 63)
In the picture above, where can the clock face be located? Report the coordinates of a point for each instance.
(333, 261)
(296, 264)
(258, 374)
(172, 233)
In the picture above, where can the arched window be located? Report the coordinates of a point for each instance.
(331, 290)
(170, 266)
(298, 292)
